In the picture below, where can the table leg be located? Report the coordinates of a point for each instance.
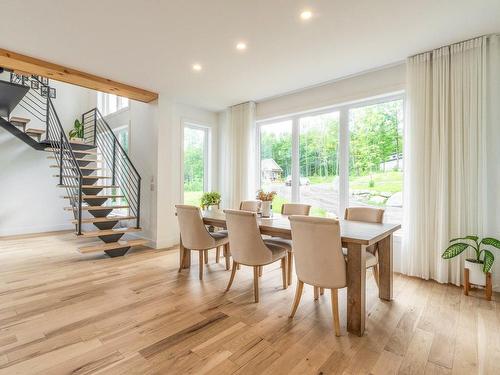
(184, 254)
(385, 268)
(356, 291)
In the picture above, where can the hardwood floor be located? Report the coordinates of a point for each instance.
(63, 312)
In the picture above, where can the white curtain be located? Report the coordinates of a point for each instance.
(237, 157)
(450, 94)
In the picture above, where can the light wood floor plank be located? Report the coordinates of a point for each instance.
(63, 312)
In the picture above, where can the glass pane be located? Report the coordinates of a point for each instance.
(276, 161)
(376, 158)
(112, 103)
(194, 165)
(318, 161)
(122, 102)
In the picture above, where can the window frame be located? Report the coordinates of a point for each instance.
(207, 180)
(344, 141)
(105, 98)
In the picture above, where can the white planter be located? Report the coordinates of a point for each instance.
(266, 208)
(77, 140)
(476, 274)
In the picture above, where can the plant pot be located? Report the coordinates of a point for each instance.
(77, 140)
(476, 274)
(266, 208)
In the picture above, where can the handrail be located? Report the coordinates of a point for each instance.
(97, 132)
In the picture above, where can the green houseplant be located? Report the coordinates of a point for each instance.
(77, 132)
(483, 258)
(209, 199)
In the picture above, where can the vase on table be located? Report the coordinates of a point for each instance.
(266, 208)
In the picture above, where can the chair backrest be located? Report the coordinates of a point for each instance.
(194, 234)
(295, 209)
(366, 214)
(317, 250)
(247, 246)
(252, 206)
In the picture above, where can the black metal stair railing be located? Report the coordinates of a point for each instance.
(97, 132)
(70, 175)
(33, 102)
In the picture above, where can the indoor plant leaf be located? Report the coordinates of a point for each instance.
(454, 250)
(491, 241)
(473, 238)
(488, 261)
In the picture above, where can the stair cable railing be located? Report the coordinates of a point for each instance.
(70, 174)
(97, 132)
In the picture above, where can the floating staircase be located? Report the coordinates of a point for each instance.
(101, 183)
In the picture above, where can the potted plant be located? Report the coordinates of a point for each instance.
(210, 199)
(267, 202)
(483, 260)
(76, 134)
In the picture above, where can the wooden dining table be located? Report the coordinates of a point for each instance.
(356, 236)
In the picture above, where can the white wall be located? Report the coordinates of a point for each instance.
(170, 117)
(361, 86)
(31, 200)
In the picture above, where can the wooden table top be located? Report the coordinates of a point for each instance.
(351, 231)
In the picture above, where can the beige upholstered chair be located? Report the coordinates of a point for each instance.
(195, 236)
(290, 209)
(295, 209)
(249, 249)
(369, 215)
(252, 206)
(319, 260)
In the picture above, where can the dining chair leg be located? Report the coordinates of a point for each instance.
(206, 256)
(335, 311)
(284, 272)
(256, 283)
(316, 293)
(231, 279)
(183, 257)
(290, 267)
(200, 261)
(227, 256)
(296, 301)
(260, 270)
(321, 291)
(217, 254)
(375, 273)
(239, 266)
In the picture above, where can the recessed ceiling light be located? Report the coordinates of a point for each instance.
(241, 46)
(306, 14)
(197, 67)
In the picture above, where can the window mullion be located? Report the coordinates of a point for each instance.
(295, 159)
(343, 160)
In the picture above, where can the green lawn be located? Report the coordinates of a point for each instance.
(192, 197)
(390, 182)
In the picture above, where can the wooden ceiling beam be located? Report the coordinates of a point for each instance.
(17, 62)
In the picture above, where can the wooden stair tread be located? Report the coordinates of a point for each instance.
(21, 120)
(107, 232)
(89, 176)
(86, 168)
(77, 159)
(88, 152)
(106, 219)
(107, 196)
(90, 186)
(34, 131)
(112, 245)
(97, 208)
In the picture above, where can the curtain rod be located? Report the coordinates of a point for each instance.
(455, 43)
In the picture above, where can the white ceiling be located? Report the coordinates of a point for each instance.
(153, 43)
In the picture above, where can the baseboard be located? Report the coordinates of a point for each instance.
(36, 229)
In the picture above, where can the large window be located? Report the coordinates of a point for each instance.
(195, 163)
(376, 158)
(109, 103)
(333, 159)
